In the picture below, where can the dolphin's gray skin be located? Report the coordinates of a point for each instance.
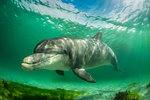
(63, 53)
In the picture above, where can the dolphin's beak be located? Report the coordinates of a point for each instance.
(27, 67)
(28, 64)
(35, 61)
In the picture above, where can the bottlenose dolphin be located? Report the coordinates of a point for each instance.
(64, 54)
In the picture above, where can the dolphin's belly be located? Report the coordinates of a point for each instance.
(58, 62)
(57, 66)
(93, 64)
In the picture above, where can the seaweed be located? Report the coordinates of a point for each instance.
(5, 84)
(16, 91)
(127, 95)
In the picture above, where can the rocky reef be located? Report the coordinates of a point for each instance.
(16, 91)
(127, 95)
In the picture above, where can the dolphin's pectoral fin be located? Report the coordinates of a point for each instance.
(80, 72)
(60, 72)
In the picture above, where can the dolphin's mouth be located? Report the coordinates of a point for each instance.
(25, 64)
(27, 67)
(31, 62)
(30, 66)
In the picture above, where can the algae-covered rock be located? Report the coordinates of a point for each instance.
(127, 95)
(15, 91)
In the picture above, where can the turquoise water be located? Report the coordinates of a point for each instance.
(125, 25)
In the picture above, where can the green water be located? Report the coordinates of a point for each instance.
(23, 23)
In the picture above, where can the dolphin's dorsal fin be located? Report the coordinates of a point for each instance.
(98, 36)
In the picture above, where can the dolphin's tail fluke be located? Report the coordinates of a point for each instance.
(116, 67)
(114, 62)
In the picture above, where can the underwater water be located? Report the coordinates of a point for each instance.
(125, 25)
